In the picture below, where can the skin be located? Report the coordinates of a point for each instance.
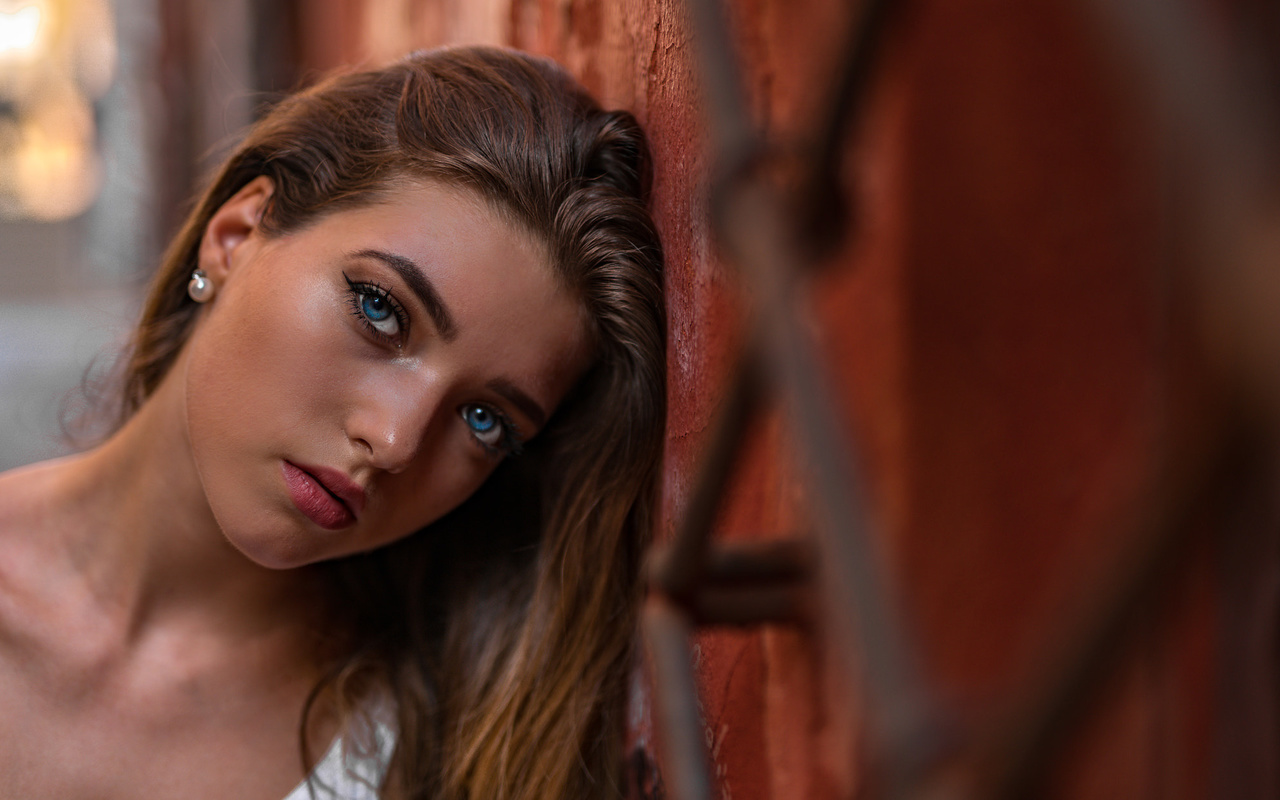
(158, 626)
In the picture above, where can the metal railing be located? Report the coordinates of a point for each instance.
(830, 577)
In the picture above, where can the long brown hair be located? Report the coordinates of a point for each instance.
(503, 631)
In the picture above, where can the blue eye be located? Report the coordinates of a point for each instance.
(479, 418)
(377, 309)
(489, 426)
(374, 307)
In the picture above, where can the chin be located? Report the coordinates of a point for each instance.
(277, 550)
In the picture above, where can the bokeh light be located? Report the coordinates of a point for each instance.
(56, 58)
(20, 29)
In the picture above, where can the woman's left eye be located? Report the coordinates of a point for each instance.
(490, 427)
(377, 309)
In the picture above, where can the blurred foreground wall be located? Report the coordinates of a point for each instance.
(1001, 338)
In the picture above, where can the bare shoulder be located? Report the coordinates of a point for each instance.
(29, 490)
(31, 499)
(33, 510)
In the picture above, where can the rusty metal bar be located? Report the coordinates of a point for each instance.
(750, 583)
(678, 568)
(750, 219)
(735, 141)
(741, 566)
(754, 605)
(666, 632)
(768, 560)
(863, 618)
(823, 204)
(1199, 88)
(1225, 126)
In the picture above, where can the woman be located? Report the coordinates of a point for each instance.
(390, 427)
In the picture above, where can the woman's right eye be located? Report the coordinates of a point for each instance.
(378, 310)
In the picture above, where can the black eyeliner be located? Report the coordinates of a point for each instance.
(357, 289)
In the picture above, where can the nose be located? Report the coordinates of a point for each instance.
(391, 419)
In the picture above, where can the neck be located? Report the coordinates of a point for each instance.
(150, 549)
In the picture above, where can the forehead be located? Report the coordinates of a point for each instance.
(445, 217)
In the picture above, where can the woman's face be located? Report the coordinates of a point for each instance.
(355, 380)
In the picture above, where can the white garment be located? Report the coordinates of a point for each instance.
(354, 766)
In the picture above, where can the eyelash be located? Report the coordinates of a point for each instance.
(512, 443)
(359, 289)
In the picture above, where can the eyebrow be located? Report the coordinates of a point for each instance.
(421, 286)
(536, 414)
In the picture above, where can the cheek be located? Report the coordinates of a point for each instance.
(259, 355)
(259, 374)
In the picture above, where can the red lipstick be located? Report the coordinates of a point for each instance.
(325, 496)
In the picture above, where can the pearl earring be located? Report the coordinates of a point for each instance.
(200, 287)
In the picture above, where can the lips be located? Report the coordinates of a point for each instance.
(325, 496)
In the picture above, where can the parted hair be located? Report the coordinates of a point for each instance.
(503, 632)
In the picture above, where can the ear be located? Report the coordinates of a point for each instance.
(229, 227)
